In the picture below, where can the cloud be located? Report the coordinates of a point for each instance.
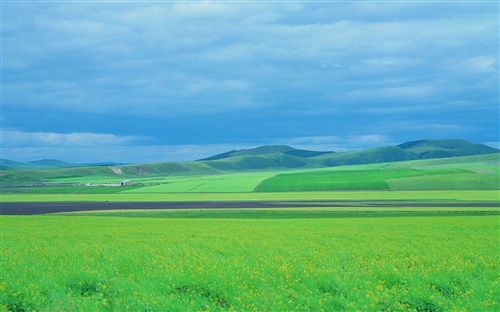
(44, 139)
(201, 73)
(338, 143)
(119, 153)
(493, 144)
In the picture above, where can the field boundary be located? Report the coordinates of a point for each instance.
(38, 208)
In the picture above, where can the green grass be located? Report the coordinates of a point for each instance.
(71, 190)
(468, 180)
(236, 182)
(473, 172)
(421, 195)
(294, 213)
(328, 180)
(90, 263)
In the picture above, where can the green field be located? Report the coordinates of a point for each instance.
(435, 179)
(330, 263)
(431, 244)
(423, 196)
(461, 173)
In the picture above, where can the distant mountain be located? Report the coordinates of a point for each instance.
(11, 164)
(109, 163)
(261, 150)
(49, 164)
(426, 149)
(52, 163)
(367, 156)
(282, 156)
(272, 157)
(266, 150)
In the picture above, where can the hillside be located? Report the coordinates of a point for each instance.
(368, 156)
(52, 163)
(266, 150)
(11, 164)
(426, 149)
(264, 158)
(38, 164)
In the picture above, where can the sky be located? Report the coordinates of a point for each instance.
(152, 81)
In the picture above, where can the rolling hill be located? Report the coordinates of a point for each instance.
(264, 158)
(52, 163)
(426, 149)
(280, 156)
(38, 164)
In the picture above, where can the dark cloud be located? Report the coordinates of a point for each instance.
(222, 73)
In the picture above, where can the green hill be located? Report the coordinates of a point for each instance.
(11, 164)
(368, 156)
(426, 149)
(38, 164)
(52, 163)
(264, 158)
(261, 150)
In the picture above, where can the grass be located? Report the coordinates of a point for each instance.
(23, 191)
(294, 213)
(92, 263)
(328, 180)
(312, 259)
(466, 180)
(236, 182)
(421, 195)
(473, 172)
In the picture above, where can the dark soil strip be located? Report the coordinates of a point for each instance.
(47, 207)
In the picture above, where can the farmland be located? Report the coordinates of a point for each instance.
(462, 173)
(420, 235)
(139, 263)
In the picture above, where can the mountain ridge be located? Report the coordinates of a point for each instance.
(283, 157)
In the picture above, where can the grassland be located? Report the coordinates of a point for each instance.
(378, 179)
(462, 173)
(422, 196)
(407, 255)
(140, 263)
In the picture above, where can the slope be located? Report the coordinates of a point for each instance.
(52, 163)
(264, 158)
(368, 156)
(425, 149)
(261, 150)
(466, 172)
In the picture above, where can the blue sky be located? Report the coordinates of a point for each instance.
(175, 81)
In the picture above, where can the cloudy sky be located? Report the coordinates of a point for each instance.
(173, 81)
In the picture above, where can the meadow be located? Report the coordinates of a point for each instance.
(419, 236)
(276, 262)
(460, 173)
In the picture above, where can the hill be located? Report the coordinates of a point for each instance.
(266, 150)
(11, 164)
(264, 158)
(282, 156)
(52, 163)
(426, 149)
(38, 164)
(368, 156)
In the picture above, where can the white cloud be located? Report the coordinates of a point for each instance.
(37, 139)
(422, 126)
(338, 62)
(493, 144)
(119, 153)
(484, 63)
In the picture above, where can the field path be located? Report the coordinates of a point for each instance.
(37, 208)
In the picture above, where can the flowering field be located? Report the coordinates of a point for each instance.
(103, 263)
